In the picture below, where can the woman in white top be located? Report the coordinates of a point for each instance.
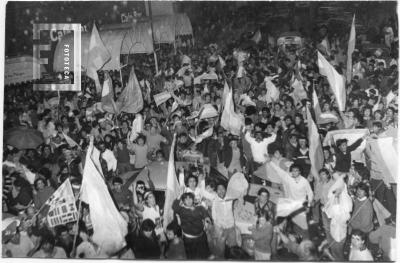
(358, 248)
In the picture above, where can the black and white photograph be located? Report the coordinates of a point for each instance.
(200, 130)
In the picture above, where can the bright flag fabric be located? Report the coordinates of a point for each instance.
(237, 187)
(162, 97)
(109, 227)
(230, 120)
(286, 206)
(98, 55)
(322, 118)
(382, 159)
(257, 37)
(245, 100)
(316, 153)
(137, 127)
(351, 135)
(272, 90)
(381, 212)
(336, 81)
(316, 106)
(60, 208)
(107, 97)
(172, 191)
(225, 93)
(131, 99)
(350, 49)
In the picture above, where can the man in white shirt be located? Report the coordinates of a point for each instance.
(224, 223)
(296, 187)
(259, 147)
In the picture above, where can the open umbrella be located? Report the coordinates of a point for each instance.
(23, 138)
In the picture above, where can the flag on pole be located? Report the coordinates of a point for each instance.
(350, 49)
(131, 99)
(98, 55)
(257, 37)
(60, 208)
(230, 120)
(162, 97)
(316, 153)
(207, 133)
(316, 106)
(172, 191)
(70, 141)
(107, 96)
(109, 227)
(336, 81)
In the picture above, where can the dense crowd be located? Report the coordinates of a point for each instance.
(338, 220)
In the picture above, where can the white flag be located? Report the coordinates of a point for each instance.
(336, 81)
(172, 191)
(109, 227)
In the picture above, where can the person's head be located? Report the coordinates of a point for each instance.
(233, 143)
(277, 107)
(117, 184)
(295, 170)
(173, 231)
(147, 228)
(48, 243)
(342, 144)
(324, 175)
(362, 190)
(376, 127)
(182, 138)
(221, 190)
(262, 218)
(302, 142)
(188, 199)
(358, 239)
(140, 187)
(270, 128)
(63, 233)
(102, 146)
(258, 136)
(293, 139)
(40, 184)
(263, 195)
(149, 199)
(377, 115)
(141, 140)
(191, 181)
(159, 156)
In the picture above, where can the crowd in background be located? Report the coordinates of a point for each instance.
(274, 131)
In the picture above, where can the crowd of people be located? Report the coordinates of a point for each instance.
(338, 220)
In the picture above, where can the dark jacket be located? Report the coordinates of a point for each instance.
(227, 155)
(343, 160)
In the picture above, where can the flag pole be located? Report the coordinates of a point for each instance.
(77, 225)
(152, 35)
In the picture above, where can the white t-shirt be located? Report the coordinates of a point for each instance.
(360, 255)
(151, 213)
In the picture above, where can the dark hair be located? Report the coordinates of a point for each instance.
(357, 232)
(48, 238)
(186, 196)
(364, 187)
(147, 225)
(191, 176)
(341, 141)
(39, 179)
(293, 166)
(377, 124)
(60, 229)
(263, 190)
(174, 227)
(117, 180)
(324, 170)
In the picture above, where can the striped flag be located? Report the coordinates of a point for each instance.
(109, 227)
(336, 81)
(316, 153)
(98, 55)
(60, 208)
(131, 99)
(172, 191)
(350, 49)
